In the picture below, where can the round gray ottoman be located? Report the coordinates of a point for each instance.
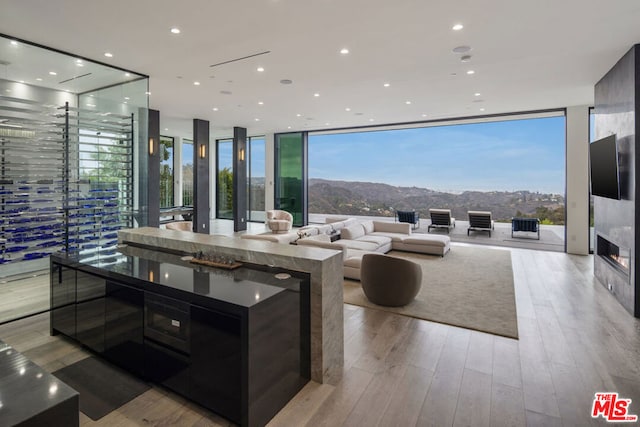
(389, 281)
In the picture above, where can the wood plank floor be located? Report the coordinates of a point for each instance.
(575, 339)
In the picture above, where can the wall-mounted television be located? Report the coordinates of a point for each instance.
(605, 176)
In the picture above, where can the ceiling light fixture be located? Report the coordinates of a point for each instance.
(196, 83)
(407, 102)
(175, 30)
(386, 85)
(316, 94)
(424, 115)
(457, 27)
(482, 109)
(371, 120)
(470, 72)
(344, 51)
(14, 43)
(127, 74)
(461, 49)
(477, 94)
(326, 124)
(127, 98)
(288, 127)
(298, 115)
(260, 69)
(347, 109)
(257, 120)
(260, 103)
(108, 54)
(53, 73)
(215, 108)
(39, 79)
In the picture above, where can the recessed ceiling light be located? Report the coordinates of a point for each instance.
(347, 109)
(196, 83)
(286, 81)
(175, 30)
(14, 43)
(482, 109)
(127, 74)
(108, 54)
(260, 70)
(53, 73)
(125, 102)
(257, 120)
(260, 103)
(424, 115)
(407, 102)
(386, 85)
(215, 108)
(471, 72)
(326, 124)
(80, 64)
(298, 115)
(166, 129)
(461, 49)
(344, 51)
(39, 79)
(127, 98)
(457, 27)
(91, 105)
(288, 127)
(316, 94)
(477, 94)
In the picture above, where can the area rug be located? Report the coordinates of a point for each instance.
(102, 387)
(471, 287)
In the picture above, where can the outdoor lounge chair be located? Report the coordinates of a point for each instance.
(441, 218)
(480, 221)
(525, 224)
(412, 217)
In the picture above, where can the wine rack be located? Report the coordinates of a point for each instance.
(66, 182)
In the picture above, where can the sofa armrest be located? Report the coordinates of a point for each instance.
(392, 227)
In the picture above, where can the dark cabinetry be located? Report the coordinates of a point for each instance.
(243, 355)
(124, 317)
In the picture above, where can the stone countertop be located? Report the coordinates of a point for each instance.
(28, 393)
(323, 265)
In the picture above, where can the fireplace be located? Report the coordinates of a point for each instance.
(615, 256)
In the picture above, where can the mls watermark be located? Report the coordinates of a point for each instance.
(612, 408)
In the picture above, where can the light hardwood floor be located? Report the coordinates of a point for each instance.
(575, 339)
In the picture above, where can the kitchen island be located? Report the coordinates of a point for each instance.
(234, 341)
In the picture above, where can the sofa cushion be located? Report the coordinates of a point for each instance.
(356, 244)
(352, 232)
(427, 239)
(378, 240)
(368, 226)
(395, 237)
(392, 227)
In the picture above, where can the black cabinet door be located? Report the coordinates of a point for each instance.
(90, 310)
(124, 317)
(167, 367)
(216, 361)
(63, 300)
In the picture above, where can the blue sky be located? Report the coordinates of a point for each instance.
(503, 156)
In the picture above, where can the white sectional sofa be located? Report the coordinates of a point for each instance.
(362, 237)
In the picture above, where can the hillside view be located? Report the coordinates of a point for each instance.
(376, 199)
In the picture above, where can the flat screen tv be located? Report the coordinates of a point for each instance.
(605, 177)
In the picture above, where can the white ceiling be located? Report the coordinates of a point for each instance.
(527, 55)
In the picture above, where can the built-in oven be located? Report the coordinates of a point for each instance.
(166, 321)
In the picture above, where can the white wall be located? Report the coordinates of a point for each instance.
(577, 227)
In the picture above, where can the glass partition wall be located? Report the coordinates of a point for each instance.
(72, 169)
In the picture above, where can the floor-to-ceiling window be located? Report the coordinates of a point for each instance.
(255, 178)
(224, 179)
(592, 137)
(187, 172)
(166, 171)
(512, 167)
